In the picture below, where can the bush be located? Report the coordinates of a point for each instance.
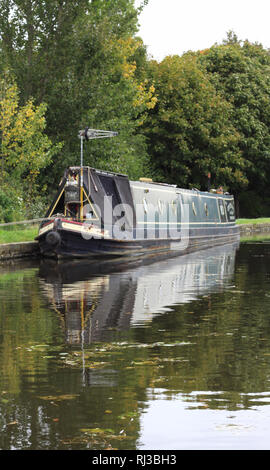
(11, 205)
(7, 207)
(252, 205)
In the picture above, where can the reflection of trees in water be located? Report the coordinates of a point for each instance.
(212, 351)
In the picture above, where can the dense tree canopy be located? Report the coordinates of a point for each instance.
(80, 59)
(80, 63)
(241, 73)
(212, 115)
(25, 148)
(190, 129)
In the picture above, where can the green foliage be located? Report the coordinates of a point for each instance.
(7, 206)
(25, 150)
(120, 102)
(240, 71)
(80, 64)
(80, 58)
(252, 204)
(190, 131)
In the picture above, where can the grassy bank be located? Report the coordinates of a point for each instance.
(261, 220)
(25, 234)
(14, 235)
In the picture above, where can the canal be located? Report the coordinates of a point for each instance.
(173, 354)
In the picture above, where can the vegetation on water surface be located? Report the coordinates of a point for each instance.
(178, 120)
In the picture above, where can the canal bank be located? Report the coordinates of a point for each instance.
(254, 229)
(19, 250)
(30, 249)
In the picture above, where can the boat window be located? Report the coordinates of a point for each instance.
(89, 215)
(174, 206)
(89, 211)
(145, 205)
(194, 208)
(206, 209)
(160, 206)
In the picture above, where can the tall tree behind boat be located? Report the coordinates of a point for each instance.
(240, 71)
(81, 59)
(190, 131)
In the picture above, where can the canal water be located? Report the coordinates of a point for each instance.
(171, 354)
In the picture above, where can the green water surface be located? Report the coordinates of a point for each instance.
(167, 355)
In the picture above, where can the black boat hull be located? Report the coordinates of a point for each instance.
(61, 243)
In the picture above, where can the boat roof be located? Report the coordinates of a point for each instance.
(148, 183)
(102, 172)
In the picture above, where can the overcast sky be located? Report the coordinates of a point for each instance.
(175, 26)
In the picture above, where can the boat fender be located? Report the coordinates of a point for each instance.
(53, 238)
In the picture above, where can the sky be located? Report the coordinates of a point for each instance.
(175, 26)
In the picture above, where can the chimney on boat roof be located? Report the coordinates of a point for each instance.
(146, 180)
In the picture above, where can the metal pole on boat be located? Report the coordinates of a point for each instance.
(89, 134)
(81, 151)
(81, 181)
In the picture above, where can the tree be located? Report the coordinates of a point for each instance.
(121, 102)
(189, 130)
(240, 71)
(25, 148)
(81, 59)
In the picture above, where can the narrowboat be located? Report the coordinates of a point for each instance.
(97, 213)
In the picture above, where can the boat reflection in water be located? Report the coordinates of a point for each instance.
(95, 298)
